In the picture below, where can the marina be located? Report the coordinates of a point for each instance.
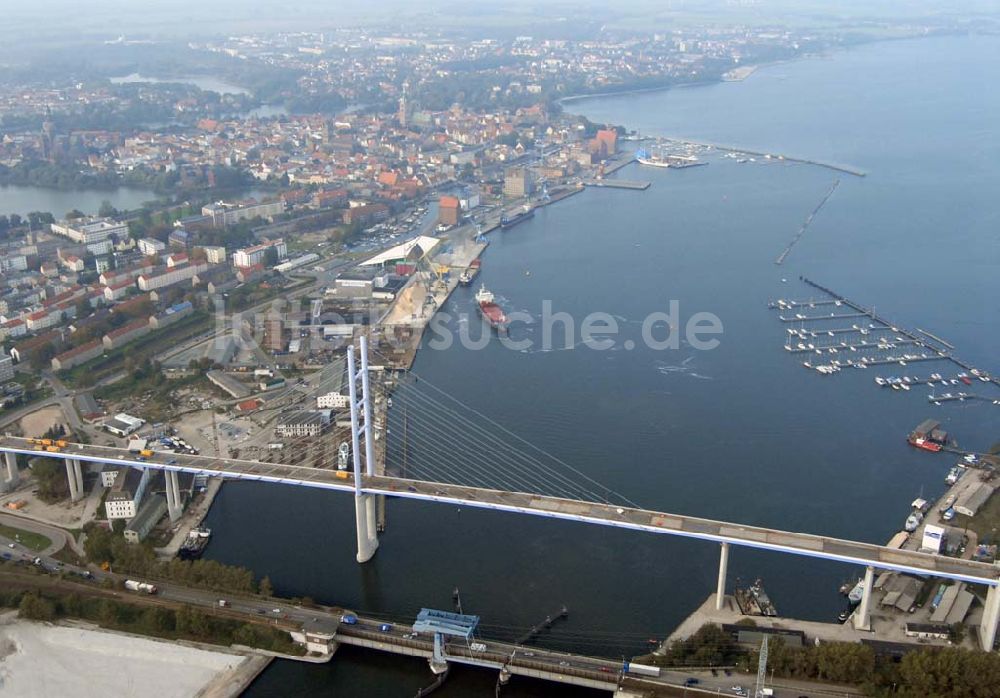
(865, 351)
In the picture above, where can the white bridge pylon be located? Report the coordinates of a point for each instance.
(361, 426)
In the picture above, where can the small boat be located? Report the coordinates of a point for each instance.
(857, 592)
(913, 522)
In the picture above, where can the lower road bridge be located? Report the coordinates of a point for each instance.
(443, 645)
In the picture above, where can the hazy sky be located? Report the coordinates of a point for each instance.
(43, 20)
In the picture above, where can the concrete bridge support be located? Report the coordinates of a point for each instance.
(720, 590)
(364, 513)
(74, 474)
(175, 507)
(9, 477)
(365, 505)
(991, 616)
(862, 614)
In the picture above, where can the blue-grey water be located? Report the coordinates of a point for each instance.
(743, 432)
(23, 199)
(202, 82)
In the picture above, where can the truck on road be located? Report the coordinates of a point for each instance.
(641, 669)
(140, 587)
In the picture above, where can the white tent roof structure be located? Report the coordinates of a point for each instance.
(403, 250)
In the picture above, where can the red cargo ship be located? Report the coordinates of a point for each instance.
(492, 312)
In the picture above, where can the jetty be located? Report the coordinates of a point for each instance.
(805, 225)
(617, 184)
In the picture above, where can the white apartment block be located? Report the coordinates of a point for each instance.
(90, 230)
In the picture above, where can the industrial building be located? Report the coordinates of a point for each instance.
(151, 511)
(518, 182)
(449, 210)
(123, 424)
(228, 383)
(304, 423)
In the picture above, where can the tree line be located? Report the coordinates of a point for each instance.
(184, 623)
(924, 672)
(103, 545)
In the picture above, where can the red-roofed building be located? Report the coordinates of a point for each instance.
(176, 259)
(118, 290)
(449, 210)
(126, 333)
(77, 356)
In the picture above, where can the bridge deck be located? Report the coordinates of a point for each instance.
(792, 542)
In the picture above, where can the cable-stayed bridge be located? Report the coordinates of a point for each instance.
(533, 483)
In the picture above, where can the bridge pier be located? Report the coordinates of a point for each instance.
(862, 614)
(74, 475)
(365, 505)
(9, 478)
(364, 514)
(720, 589)
(175, 506)
(991, 616)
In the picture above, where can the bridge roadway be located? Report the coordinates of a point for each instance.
(805, 544)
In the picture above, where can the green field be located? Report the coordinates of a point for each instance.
(32, 541)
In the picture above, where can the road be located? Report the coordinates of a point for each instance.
(59, 537)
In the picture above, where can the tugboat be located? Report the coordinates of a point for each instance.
(489, 309)
(194, 545)
(469, 275)
(913, 522)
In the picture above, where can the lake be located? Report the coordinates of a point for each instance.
(15, 198)
(202, 82)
